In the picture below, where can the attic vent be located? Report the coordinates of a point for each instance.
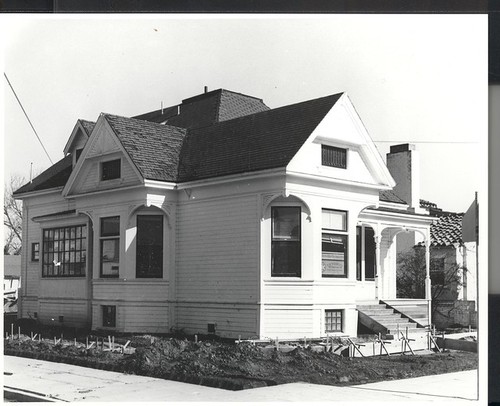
(333, 156)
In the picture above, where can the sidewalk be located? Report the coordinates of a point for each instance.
(73, 383)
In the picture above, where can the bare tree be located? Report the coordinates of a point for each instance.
(12, 216)
(411, 273)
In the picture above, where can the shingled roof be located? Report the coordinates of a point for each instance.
(154, 148)
(206, 109)
(88, 126)
(261, 140)
(55, 176)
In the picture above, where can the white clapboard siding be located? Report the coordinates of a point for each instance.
(75, 312)
(217, 255)
(230, 320)
(135, 291)
(29, 307)
(289, 323)
(288, 293)
(144, 317)
(88, 177)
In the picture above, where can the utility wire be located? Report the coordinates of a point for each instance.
(29, 121)
(430, 142)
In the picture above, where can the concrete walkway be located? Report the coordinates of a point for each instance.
(73, 383)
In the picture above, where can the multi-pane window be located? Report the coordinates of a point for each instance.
(333, 321)
(285, 241)
(334, 244)
(64, 251)
(35, 251)
(111, 169)
(108, 316)
(149, 263)
(365, 253)
(110, 247)
(333, 156)
(437, 271)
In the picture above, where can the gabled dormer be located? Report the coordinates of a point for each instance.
(78, 138)
(341, 150)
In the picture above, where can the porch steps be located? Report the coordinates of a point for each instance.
(380, 318)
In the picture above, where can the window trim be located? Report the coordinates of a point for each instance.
(47, 254)
(297, 242)
(112, 323)
(111, 161)
(160, 275)
(333, 149)
(108, 237)
(35, 253)
(339, 233)
(342, 320)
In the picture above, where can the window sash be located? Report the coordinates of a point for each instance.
(109, 316)
(110, 257)
(335, 220)
(334, 255)
(286, 241)
(35, 251)
(333, 321)
(110, 226)
(149, 255)
(64, 251)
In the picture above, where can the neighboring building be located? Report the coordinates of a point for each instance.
(455, 296)
(11, 283)
(218, 215)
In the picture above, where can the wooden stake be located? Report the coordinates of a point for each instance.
(195, 338)
(87, 342)
(12, 330)
(18, 332)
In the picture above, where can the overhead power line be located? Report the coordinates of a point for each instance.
(26, 114)
(427, 142)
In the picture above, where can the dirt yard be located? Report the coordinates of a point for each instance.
(244, 365)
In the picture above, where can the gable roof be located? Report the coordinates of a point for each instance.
(154, 148)
(266, 139)
(206, 109)
(258, 141)
(55, 176)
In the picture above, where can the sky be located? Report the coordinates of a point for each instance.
(420, 79)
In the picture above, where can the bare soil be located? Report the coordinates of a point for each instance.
(244, 365)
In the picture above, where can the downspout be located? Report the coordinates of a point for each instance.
(428, 291)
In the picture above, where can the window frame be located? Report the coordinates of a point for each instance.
(297, 242)
(329, 320)
(112, 322)
(158, 275)
(35, 252)
(105, 237)
(60, 248)
(104, 177)
(336, 232)
(334, 162)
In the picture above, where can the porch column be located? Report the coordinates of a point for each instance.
(428, 291)
(378, 266)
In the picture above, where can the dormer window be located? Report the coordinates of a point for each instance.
(111, 169)
(333, 156)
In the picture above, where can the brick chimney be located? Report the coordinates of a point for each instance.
(403, 162)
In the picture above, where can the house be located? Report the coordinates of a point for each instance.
(218, 215)
(11, 275)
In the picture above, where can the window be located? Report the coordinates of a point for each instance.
(108, 316)
(333, 321)
(285, 241)
(333, 156)
(365, 253)
(35, 251)
(110, 247)
(149, 260)
(334, 245)
(437, 264)
(64, 251)
(111, 169)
